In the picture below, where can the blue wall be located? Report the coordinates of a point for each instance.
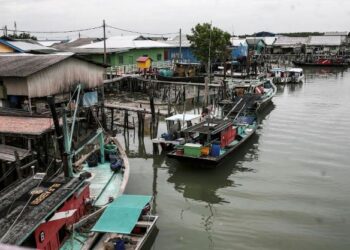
(187, 55)
(239, 51)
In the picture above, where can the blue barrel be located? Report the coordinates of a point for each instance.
(119, 245)
(215, 150)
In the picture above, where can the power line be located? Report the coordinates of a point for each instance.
(52, 32)
(138, 32)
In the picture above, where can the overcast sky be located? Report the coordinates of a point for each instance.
(163, 16)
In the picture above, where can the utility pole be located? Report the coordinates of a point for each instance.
(208, 80)
(180, 49)
(104, 43)
(5, 31)
(15, 31)
(103, 89)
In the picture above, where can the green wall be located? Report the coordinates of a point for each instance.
(129, 57)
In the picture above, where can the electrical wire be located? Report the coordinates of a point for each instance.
(138, 32)
(51, 32)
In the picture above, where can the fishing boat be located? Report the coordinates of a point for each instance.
(175, 124)
(257, 94)
(278, 75)
(295, 75)
(126, 224)
(49, 211)
(323, 62)
(210, 142)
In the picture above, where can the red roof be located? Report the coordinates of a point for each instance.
(25, 125)
(143, 59)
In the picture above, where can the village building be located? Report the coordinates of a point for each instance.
(239, 48)
(289, 45)
(186, 52)
(124, 50)
(27, 79)
(268, 42)
(256, 45)
(326, 44)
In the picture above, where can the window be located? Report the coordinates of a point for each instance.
(120, 59)
(159, 57)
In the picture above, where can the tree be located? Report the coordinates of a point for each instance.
(22, 36)
(204, 35)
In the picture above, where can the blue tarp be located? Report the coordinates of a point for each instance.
(90, 99)
(122, 214)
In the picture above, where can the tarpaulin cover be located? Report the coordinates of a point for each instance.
(90, 99)
(122, 214)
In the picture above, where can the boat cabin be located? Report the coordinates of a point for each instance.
(216, 133)
(179, 121)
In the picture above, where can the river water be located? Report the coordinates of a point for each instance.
(288, 187)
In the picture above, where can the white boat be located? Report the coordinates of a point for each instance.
(175, 124)
(295, 75)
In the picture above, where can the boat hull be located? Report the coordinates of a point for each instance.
(320, 64)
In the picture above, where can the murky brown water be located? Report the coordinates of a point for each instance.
(287, 188)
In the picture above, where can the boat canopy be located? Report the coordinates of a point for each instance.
(181, 117)
(297, 70)
(277, 70)
(122, 214)
(211, 126)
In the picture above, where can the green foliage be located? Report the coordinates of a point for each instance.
(302, 34)
(203, 35)
(22, 36)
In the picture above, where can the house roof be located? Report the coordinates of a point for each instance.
(290, 41)
(76, 43)
(26, 45)
(237, 41)
(175, 41)
(254, 40)
(22, 125)
(326, 40)
(126, 42)
(143, 59)
(267, 39)
(23, 65)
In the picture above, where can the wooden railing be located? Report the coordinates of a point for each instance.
(132, 68)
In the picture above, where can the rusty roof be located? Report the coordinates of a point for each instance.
(24, 125)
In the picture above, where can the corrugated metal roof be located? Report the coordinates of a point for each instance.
(22, 65)
(290, 41)
(326, 40)
(237, 42)
(28, 46)
(24, 125)
(175, 41)
(126, 42)
(76, 43)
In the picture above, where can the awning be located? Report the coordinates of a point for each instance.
(122, 214)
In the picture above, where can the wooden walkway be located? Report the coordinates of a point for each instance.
(133, 109)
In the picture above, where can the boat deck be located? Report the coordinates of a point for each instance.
(38, 200)
(104, 183)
